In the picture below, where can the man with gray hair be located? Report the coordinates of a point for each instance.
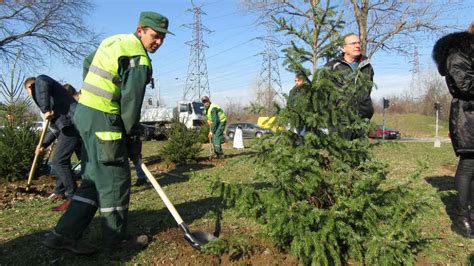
(352, 67)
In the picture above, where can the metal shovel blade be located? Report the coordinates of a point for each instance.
(197, 239)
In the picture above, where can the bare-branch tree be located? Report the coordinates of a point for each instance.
(393, 25)
(235, 111)
(435, 90)
(264, 100)
(312, 25)
(56, 27)
(14, 104)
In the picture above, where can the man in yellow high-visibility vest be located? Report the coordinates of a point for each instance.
(216, 119)
(107, 118)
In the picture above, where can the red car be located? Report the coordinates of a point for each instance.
(388, 132)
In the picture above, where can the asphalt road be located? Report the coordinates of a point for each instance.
(443, 140)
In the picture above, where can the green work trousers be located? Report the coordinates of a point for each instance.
(218, 138)
(105, 178)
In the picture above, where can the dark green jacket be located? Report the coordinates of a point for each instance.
(134, 81)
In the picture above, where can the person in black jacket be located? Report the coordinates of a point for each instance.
(351, 67)
(295, 99)
(454, 57)
(58, 106)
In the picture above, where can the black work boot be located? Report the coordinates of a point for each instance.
(462, 223)
(140, 182)
(129, 243)
(56, 241)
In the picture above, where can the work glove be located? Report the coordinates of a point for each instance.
(134, 148)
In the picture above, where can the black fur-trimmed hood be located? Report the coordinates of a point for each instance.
(458, 41)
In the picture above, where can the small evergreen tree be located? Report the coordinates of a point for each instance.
(328, 201)
(17, 137)
(17, 146)
(183, 144)
(203, 132)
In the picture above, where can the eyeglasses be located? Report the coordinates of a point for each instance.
(352, 43)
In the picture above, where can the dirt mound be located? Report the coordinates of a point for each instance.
(11, 193)
(181, 253)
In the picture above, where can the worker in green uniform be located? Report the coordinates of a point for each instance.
(107, 118)
(216, 119)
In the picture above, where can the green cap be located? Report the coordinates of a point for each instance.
(157, 22)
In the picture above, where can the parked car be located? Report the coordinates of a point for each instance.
(389, 133)
(38, 126)
(249, 130)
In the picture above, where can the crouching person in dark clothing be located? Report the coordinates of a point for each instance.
(454, 56)
(58, 107)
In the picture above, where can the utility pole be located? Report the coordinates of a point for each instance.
(152, 99)
(269, 84)
(197, 83)
(386, 104)
(437, 107)
(415, 73)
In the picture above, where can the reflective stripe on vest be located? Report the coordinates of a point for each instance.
(100, 92)
(105, 74)
(107, 135)
(220, 113)
(101, 89)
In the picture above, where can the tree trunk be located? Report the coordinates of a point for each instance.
(361, 13)
(314, 5)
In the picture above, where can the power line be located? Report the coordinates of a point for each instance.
(222, 16)
(218, 53)
(231, 48)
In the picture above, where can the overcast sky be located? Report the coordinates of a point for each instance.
(233, 57)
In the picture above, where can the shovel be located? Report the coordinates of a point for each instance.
(197, 239)
(211, 149)
(35, 160)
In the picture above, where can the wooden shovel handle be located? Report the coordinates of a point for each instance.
(162, 194)
(35, 160)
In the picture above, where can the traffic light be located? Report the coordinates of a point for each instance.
(386, 103)
(437, 106)
(152, 83)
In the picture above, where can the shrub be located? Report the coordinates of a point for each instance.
(182, 145)
(17, 145)
(235, 246)
(203, 132)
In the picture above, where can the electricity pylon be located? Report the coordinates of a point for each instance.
(197, 83)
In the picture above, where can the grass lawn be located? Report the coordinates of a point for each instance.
(23, 223)
(413, 125)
